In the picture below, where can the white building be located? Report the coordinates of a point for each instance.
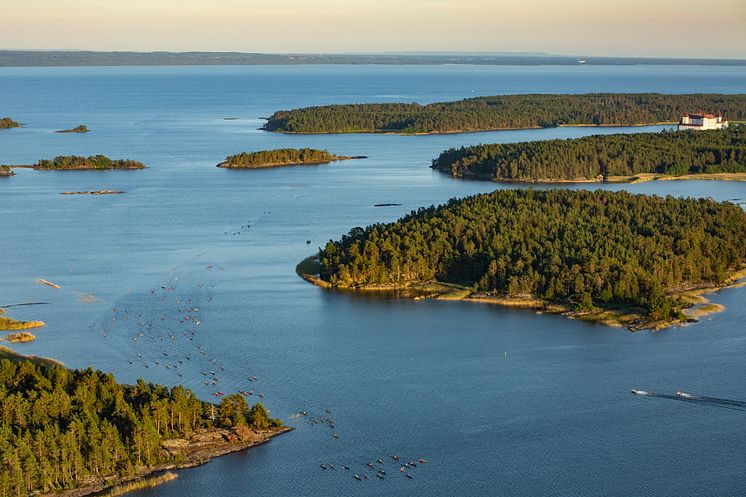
(702, 122)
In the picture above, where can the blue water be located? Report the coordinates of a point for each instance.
(499, 401)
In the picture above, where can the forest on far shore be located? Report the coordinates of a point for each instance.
(505, 112)
(667, 152)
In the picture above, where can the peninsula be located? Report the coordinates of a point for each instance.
(98, 434)
(504, 112)
(6, 123)
(81, 128)
(612, 257)
(79, 163)
(619, 157)
(281, 157)
(10, 324)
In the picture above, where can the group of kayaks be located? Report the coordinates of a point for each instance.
(381, 473)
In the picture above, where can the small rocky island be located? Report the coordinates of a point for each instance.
(7, 123)
(93, 162)
(281, 157)
(639, 261)
(80, 128)
(5, 171)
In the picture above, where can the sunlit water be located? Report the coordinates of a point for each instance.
(500, 402)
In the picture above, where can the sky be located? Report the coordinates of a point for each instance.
(643, 28)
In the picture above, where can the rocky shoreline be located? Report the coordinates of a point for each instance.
(201, 448)
(634, 319)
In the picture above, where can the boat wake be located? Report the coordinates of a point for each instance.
(738, 405)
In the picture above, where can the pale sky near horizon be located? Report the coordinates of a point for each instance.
(646, 28)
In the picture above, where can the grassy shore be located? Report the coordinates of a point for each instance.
(6, 353)
(641, 178)
(142, 484)
(637, 178)
(9, 324)
(695, 305)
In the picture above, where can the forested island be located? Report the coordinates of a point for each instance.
(63, 429)
(609, 157)
(504, 112)
(81, 128)
(93, 162)
(607, 256)
(6, 123)
(281, 157)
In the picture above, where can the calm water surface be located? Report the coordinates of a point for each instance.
(500, 402)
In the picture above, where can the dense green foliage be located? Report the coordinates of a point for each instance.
(91, 162)
(6, 171)
(60, 428)
(500, 112)
(667, 152)
(583, 247)
(278, 157)
(6, 122)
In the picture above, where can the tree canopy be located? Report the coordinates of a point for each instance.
(278, 157)
(503, 112)
(91, 162)
(60, 428)
(579, 247)
(667, 152)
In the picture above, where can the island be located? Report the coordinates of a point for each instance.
(281, 157)
(717, 154)
(93, 162)
(504, 112)
(9, 324)
(5, 171)
(95, 192)
(7, 123)
(21, 337)
(621, 259)
(81, 128)
(78, 432)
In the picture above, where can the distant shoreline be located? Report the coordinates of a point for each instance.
(83, 58)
